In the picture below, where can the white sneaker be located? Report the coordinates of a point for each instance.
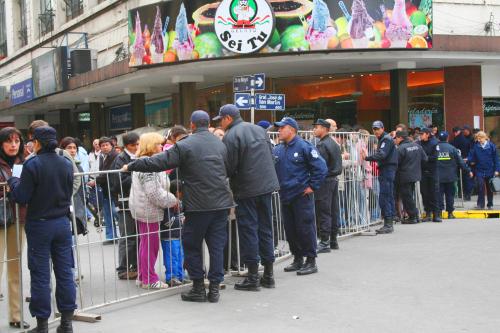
(157, 285)
(138, 283)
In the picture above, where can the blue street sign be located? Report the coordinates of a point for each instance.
(242, 101)
(244, 83)
(270, 102)
(21, 92)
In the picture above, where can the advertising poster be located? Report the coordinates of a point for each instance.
(181, 30)
(50, 72)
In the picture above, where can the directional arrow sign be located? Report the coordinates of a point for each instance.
(242, 100)
(244, 83)
(270, 102)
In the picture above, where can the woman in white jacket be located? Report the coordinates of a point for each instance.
(149, 197)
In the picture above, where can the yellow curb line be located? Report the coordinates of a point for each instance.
(474, 214)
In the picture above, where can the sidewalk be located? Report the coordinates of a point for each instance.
(423, 278)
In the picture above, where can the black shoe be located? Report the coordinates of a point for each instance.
(66, 325)
(309, 267)
(17, 324)
(410, 220)
(467, 198)
(252, 281)
(437, 217)
(387, 228)
(42, 326)
(267, 279)
(213, 292)
(451, 216)
(428, 217)
(197, 293)
(296, 265)
(334, 244)
(323, 247)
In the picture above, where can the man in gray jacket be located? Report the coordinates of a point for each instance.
(253, 180)
(201, 159)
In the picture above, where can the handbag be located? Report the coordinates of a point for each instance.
(6, 213)
(495, 184)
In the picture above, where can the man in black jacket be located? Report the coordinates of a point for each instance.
(429, 185)
(410, 158)
(327, 197)
(253, 180)
(447, 164)
(120, 190)
(463, 141)
(202, 161)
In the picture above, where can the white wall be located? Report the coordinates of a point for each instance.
(491, 81)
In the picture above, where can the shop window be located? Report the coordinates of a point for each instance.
(426, 98)
(158, 114)
(46, 17)
(491, 108)
(3, 31)
(74, 8)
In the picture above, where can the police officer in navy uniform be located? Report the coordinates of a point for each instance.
(386, 157)
(429, 185)
(327, 197)
(253, 181)
(202, 160)
(448, 161)
(46, 186)
(301, 171)
(410, 158)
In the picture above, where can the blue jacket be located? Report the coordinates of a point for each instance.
(46, 185)
(448, 162)
(430, 149)
(463, 143)
(298, 165)
(485, 160)
(386, 155)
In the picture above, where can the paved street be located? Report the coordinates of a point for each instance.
(423, 278)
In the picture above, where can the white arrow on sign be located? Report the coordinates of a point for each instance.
(259, 82)
(241, 101)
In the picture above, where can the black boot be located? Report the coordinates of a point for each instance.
(324, 244)
(334, 244)
(451, 216)
(410, 220)
(213, 292)
(437, 217)
(297, 264)
(197, 293)
(267, 279)
(387, 228)
(309, 267)
(66, 325)
(428, 217)
(251, 282)
(42, 326)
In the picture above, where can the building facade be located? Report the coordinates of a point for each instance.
(454, 82)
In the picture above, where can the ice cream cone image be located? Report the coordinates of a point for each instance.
(361, 25)
(319, 31)
(138, 49)
(157, 45)
(400, 27)
(183, 43)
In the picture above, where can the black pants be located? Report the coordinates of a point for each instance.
(448, 191)
(209, 226)
(255, 229)
(429, 188)
(327, 208)
(407, 192)
(127, 245)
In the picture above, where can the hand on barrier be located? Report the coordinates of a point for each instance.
(496, 173)
(471, 175)
(308, 190)
(125, 168)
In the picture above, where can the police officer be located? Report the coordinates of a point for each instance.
(386, 157)
(46, 186)
(327, 197)
(410, 158)
(201, 159)
(448, 161)
(301, 170)
(429, 185)
(253, 180)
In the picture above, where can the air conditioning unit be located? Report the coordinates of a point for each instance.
(82, 61)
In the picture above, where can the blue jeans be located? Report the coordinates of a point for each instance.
(109, 211)
(173, 259)
(50, 240)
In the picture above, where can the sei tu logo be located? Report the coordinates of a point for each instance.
(244, 26)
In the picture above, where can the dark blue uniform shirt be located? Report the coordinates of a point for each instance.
(448, 162)
(298, 165)
(386, 155)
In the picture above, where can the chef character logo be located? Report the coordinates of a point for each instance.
(244, 26)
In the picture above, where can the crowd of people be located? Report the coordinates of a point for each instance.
(177, 192)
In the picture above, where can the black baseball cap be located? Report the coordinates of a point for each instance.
(323, 123)
(426, 130)
(401, 134)
(227, 110)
